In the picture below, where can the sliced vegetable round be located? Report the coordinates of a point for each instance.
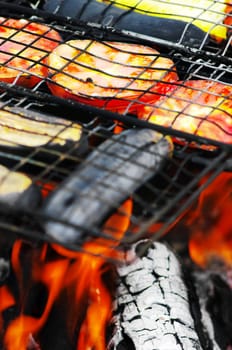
(17, 188)
(199, 107)
(109, 74)
(24, 47)
(35, 136)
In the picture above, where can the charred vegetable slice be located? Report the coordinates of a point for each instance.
(23, 130)
(111, 173)
(198, 107)
(17, 188)
(113, 75)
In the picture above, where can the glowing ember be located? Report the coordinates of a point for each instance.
(73, 278)
(210, 223)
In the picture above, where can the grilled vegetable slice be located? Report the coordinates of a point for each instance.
(109, 74)
(198, 107)
(24, 46)
(23, 130)
(111, 173)
(17, 188)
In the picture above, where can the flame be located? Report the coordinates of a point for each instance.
(90, 267)
(7, 299)
(46, 187)
(210, 223)
(76, 278)
(51, 275)
(92, 332)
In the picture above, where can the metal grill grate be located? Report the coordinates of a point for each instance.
(163, 197)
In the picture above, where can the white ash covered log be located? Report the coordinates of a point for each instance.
(215, 297)
(108, 176)
(153, 310)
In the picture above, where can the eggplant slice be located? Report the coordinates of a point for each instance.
(108, 176)
(23, 131)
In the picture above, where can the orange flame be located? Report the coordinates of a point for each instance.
(7, 299)
(77, 275)
(90, 267)
(210, 223)
(52, 275)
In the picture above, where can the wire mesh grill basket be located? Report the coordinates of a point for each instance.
(73, 86)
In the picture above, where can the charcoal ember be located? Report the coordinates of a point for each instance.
(152, 306)
(108, 176)
(215, 297)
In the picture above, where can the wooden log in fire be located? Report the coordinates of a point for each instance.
(112, 172)
(152, 305)
(215, 297)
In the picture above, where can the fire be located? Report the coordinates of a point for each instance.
(210, 223)
(73, 278)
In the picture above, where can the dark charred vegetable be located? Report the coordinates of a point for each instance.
(187, 23)
(111, 173)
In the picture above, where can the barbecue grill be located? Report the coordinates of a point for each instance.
(159, 198)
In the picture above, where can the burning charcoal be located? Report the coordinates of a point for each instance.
(111, 173)
(17, 189)
(152, 307)
(215, 295)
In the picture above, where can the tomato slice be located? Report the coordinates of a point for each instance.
(109, 74)
(24, 47)
(199, 107)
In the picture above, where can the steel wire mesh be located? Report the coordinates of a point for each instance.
(162, 199)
